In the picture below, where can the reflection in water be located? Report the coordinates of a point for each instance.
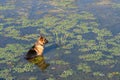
(40, 62)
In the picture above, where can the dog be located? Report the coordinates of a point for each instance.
(37, 49)
(35, 54)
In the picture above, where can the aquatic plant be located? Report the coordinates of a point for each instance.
(92, 57)
(116, 5)
(84, 67)
(50, 78)
(5, 74)
(59, 62)
(104, 2)
(63, 4)
(25, 68)
(1, 27)
(64, 25)
(83, 15)
(66, 73)
(115, 51)
(32, 78)
(98, 74)
(60, 37)
(68, 46)
(67, 52)
(112, 74)
(49, 21)
(11, 52)
(10, 32)
(28, 37)
(106, 62)
(10, 7)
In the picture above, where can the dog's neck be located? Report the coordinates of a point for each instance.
(39, 43)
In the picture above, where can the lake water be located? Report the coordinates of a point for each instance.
(83, 35)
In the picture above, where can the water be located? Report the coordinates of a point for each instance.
(84, 38)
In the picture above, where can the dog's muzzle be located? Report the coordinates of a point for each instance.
(46, 41)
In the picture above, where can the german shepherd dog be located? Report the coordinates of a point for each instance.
(35, 54)
(37, 48)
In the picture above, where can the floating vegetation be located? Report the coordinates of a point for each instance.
(50, 78)
(80, 36)
(63, 4)
(106, 62)
(68, 46)
(1, 27)
(115, 51)
(84, 67)
(67, 52)
(92, 57)
(11, 52)
(60, 62)
(104, 2)
(98, 74)
(32, 78)
(10, 32)
(26, 68)
(6, 74)
(10, 55)
(11, 7)
(60, 40)
(116, 5)
(112, 74)
(66, 73)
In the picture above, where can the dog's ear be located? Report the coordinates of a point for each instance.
(41, 37)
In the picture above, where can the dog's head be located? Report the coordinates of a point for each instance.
(42, 40)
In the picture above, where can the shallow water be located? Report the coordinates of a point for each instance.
(84, 38)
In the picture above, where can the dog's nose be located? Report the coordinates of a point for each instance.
(46, 41)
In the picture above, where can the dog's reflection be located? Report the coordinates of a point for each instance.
(39, 61)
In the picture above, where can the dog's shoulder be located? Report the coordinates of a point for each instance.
(33, 46)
